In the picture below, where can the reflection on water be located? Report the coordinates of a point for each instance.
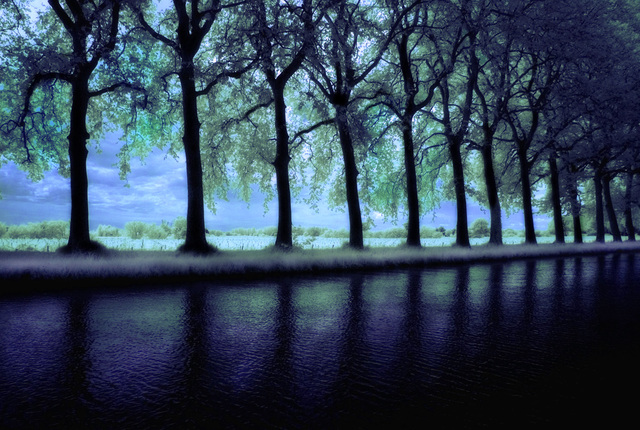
(515, 343)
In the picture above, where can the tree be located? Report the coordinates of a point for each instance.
(339, 65)
(80, 49)
(281, 49)
(456, 52)
(491, 92)
(407, 60)
(197, 78)
(480, 228)
(39, 145)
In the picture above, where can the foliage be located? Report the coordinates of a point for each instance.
(180, 228)
(534, 80)
(509, 232)
(108, 231)
(41, 230)
(135, 229)
(479, 228)
(154, 231)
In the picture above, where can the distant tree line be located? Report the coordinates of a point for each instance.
(41, 230)
(177, 230)
(387, 106)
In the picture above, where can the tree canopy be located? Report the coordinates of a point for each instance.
(389, 106)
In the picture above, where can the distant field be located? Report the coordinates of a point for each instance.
(236, 243)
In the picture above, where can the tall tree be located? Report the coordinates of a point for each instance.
(351, 41)
(197, 77)
(282, 36)
(81, 54)
(457, 53)
(491, 90)
(416, 91)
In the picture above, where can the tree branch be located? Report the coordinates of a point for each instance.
(248, 113)
(170, 43)
(302, 132)
(235, 74)
(118, 85)
(37, 79)
(62, 15)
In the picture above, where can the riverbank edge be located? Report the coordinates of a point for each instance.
(24, 271)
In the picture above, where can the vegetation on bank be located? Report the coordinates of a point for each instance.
(177, 230)
(49, 236)
(24, 272)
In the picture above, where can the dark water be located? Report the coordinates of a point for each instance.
(523, 343)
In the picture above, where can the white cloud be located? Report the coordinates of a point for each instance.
(157, 191)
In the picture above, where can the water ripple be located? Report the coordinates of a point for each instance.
(470, 346)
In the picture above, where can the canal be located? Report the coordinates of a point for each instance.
(520, 343)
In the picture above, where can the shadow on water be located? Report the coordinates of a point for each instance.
(275, 390)
(520, 344)
(74, 378)
(193, 403)
(348, 404)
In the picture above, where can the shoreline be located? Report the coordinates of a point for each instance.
(26, 271)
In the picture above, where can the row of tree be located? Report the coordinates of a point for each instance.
(387, 105)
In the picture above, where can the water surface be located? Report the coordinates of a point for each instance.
(521, 343)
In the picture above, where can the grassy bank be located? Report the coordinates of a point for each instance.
(39, 270)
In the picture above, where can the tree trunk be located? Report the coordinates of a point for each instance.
(628, 214)
(495, 235)
(611, 213)
(284, 236)
(577, 230)
(527, 207)
(79, 239)
(413, 204)
(196, 240)
(555, 199)
(462, 229)
(575, 206)
(597, 180)
(356, 239)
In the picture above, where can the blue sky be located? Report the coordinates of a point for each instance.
(157, 191)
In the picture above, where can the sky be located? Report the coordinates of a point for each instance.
(157, 191)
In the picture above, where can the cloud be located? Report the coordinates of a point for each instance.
(158, 191)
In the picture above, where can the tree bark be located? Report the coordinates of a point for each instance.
(597, 181)
(577, 230)
(527, 207)
(356, 237)
(575, 206)
(79, 239)
(555, 199)
(196, 240)
(80, 27)
(495, 235)
(462, 229)
(284, 236)
(628, 214)
(611, 213)
(413, 204)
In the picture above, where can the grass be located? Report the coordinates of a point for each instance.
(243, 243)
(28, 270)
